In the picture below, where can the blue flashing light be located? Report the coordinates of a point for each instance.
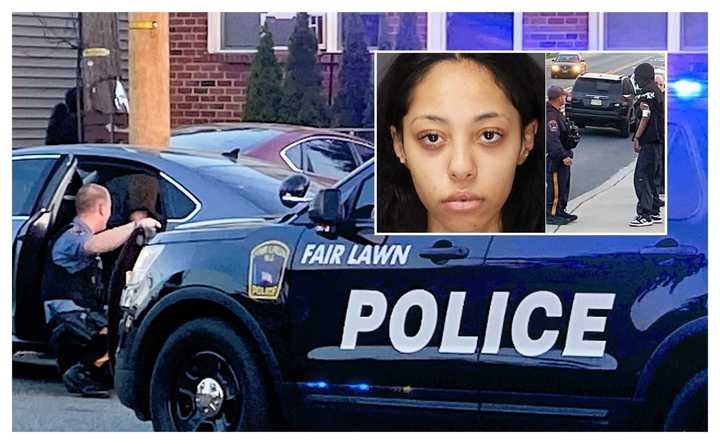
(687, 89)
(360, 387)
(317, 384)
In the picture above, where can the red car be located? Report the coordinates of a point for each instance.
(322, 154)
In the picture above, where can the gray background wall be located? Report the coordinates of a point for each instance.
(44, 62)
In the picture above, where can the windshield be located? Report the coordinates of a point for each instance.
(567, 58)
(597, 86)
(244, 140)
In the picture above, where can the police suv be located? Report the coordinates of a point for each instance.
(316, 321)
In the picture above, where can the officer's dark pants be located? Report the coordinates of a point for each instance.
(644, 181)
(557, 187)
(75, 337)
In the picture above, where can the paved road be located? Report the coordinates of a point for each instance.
(40, 403)
(601, 152)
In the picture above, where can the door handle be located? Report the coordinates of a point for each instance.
(440, 255)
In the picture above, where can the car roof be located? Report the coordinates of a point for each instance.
(161, 159)
(601, 76)
(287, 130)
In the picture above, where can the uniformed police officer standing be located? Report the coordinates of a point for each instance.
(559, 159)
(647, 142)
(73, 296)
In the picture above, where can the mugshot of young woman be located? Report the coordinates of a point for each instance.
(461, 144)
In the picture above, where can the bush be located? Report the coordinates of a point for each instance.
(264, 91)
(302, 102)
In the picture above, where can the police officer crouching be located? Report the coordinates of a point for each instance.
(73, 292)
(562, 137)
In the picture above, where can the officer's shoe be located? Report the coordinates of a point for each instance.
(556, 220)
(79, 379)
(570, 217)
(640, 221)
(656, 218)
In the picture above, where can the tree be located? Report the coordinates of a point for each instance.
(407, 36)
(302, 101)
(264, 92)
(351, 99)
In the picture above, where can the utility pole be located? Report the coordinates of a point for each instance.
(149, 79)
(99, 66)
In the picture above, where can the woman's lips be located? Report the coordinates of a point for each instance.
(463, 202)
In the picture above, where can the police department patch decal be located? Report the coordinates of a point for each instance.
(267, 268)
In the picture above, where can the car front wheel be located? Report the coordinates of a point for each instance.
(206, 378)
(689, 408)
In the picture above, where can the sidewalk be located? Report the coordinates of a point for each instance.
(607, 209)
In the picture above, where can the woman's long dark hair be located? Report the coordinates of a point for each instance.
(522, 81)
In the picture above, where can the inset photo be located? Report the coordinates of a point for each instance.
(606, 143)
(460, 142)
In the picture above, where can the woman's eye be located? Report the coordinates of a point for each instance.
(490, 136)
(431, 139)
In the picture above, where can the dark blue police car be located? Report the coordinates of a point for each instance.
(314, 321)
(190, 188)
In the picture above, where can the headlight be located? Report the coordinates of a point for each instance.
(555, 68)
(576, 68)
(138, 282)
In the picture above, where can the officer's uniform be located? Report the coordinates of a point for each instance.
(73, 298)
(558, 174)
(651, 142)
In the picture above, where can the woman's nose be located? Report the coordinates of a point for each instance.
(462, 164)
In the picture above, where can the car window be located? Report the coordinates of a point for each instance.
(28, 177)
(176, 204)
(365, 204)
(294, 155)
(130, 188)
(365, 152)
(329, 157)
(596, 86)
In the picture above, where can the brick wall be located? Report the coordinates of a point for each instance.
(555, 30)
(203, 87)
(208, 87)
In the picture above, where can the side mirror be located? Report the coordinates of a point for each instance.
(327, 207)
(293, 190)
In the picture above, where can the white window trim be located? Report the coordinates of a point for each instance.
(518, 31)
(595, 26)
(436, 35)
(673, 32)
(214, 40)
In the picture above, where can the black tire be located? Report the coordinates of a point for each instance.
(207, 350)
(688, 411)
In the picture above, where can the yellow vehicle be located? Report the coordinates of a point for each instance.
(568, 65)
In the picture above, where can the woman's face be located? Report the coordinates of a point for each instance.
(462, 141)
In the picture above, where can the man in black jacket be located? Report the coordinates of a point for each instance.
(647, 143)
(63, 125)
